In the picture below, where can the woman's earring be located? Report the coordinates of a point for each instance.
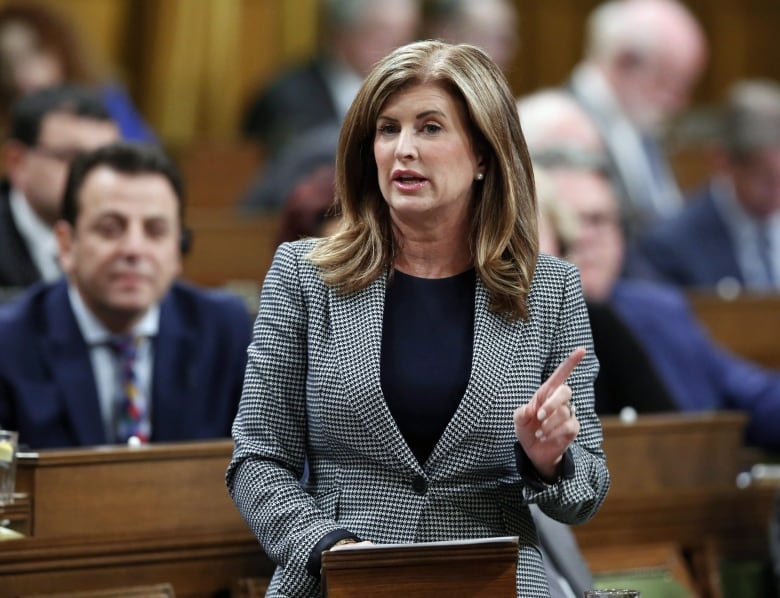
(480, 176)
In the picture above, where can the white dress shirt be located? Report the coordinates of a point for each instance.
(744, 230)
(105, 364)
(37, 235)
(641, 165)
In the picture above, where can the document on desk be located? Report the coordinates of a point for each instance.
(497, 542)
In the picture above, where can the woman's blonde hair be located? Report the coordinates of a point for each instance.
(503, 237)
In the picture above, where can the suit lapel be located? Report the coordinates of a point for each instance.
(721, 257)
(173, 372)
(67, 355)
(357, 328)
(16, 266)
(497, 346)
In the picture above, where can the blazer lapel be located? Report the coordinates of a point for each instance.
(357, 328)
(497, 347)
(67, 354)
(174, 373)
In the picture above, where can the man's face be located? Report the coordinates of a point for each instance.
(757, 181)
(39, 172)
(123, 253)
(383, 27)
(598, 247)
(654, 89)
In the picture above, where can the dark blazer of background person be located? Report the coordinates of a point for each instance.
(47, 388)
(295, 102)
(17, 268)
(700, 375)
(627, 377)
(693, 249)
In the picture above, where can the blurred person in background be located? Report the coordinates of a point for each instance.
(698, 374)
(272, 186)
(488, 24)
(728, 236)
(354, 35)
(40, 47)
(48, 129)
(642, 61)
(626, 378)
(120, 351)
(671, 361)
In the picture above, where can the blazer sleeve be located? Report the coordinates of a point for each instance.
(269, 431)
(575, 499)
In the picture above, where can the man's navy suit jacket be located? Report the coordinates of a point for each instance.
(694, 248)
(17, 269)
(47, 387)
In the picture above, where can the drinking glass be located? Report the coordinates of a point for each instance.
(8, 447)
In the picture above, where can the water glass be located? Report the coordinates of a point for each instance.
(8, 448)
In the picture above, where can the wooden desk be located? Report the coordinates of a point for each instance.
(674, 483)
(470, 569)
(117, 516)
(748, 325)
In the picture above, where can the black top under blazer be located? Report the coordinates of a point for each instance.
(312, 392)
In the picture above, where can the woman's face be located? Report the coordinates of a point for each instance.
(426, 163)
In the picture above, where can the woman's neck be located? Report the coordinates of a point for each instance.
(433, 258)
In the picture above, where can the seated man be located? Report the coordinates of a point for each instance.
(556, 128)
(48, 128)
(698, 374)
(119, 352)
(728, 236)
(642, 60)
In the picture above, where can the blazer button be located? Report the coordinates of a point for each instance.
(420, 484)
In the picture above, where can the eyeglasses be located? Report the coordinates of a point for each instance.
(601, 221)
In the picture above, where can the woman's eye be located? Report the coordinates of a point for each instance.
(388, 129)
(431, 128)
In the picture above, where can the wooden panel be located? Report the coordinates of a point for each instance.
(748, 325)
(119, 516)
(217, 174)
(677, 451)
(198, 566)
(674, 482)
(112, 516)
(71, 488)
(479, 569)
(229, 247)
(162, 590)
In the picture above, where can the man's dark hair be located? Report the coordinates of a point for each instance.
(28, 112)
(124, 158)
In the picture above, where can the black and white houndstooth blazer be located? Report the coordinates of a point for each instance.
(312, 393)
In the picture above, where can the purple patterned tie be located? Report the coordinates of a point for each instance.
(131, 406)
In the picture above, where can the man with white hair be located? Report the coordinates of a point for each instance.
(642, 59)
(695, 373)
(488, 24)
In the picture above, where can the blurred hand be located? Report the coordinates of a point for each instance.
(547, 424)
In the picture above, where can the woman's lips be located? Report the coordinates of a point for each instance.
(409, 183)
